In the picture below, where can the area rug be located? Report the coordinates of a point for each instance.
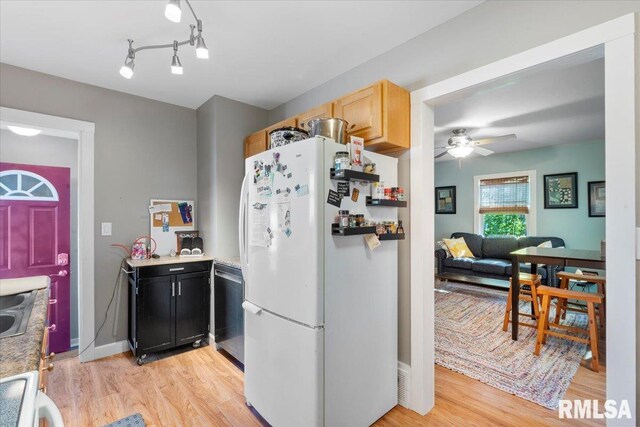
(469, 339)
(134, 420)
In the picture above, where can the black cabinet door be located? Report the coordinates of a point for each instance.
(155, 314)
(192, 307)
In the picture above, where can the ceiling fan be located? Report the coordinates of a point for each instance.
(461, 145)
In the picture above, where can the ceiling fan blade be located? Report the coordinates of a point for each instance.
(441, 154)
(484, 141)
(482, 151)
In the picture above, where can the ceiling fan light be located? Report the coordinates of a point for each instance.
(459, 152)
(172, 11)
(22, 131)
(201, 49)
(176, 66)
(126, 70)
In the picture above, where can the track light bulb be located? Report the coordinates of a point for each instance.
(176, 66)
(126, 70)
(201, 49)
(172, 11)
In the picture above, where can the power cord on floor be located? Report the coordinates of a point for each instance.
(106, 313)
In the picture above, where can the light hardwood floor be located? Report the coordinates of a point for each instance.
(203, 388)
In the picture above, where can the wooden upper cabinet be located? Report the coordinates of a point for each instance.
(363, 112)
(255, 143)
(322, 112)
(380, 114)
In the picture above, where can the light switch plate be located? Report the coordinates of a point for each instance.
(106, 229)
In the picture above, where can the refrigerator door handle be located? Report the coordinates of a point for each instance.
(251, 308)
(242, 217)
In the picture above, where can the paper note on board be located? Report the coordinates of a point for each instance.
(164, 207)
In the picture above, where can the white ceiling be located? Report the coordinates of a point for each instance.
(559, 102)
(262, 52)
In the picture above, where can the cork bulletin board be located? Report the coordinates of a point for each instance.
(168, 216)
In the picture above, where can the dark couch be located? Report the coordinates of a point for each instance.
(492, 257)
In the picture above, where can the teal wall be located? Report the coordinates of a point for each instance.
(573, 225)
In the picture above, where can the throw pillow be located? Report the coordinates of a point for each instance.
(546, 244)
(444, 247)
(458, 248)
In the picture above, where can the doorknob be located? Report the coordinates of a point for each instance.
(61, 273)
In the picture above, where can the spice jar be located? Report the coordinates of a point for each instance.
(352, 220)
(344, 219)
(401, 194)
(394, 193)
(381, 228)
(341, 161)
(387, 194)
(360, 220)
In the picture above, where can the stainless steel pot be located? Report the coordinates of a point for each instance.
(286, 135)
(332, 128)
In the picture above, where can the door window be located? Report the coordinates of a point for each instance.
(25, 185)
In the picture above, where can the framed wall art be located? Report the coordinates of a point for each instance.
(561, 191)
(446, 200)
(597, 198)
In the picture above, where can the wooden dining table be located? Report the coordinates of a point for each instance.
(553, 256)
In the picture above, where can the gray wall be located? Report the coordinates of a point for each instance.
(49, 150)
(222, 126)
(143, 149)
(487, 33)
(573, 225)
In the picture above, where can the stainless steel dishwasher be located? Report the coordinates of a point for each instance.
(229, 315)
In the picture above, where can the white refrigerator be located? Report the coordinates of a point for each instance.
(320, 310)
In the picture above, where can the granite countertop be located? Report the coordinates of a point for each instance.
(135, 263)
(228, 261)
(21, 353)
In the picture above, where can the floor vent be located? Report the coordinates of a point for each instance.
(403, 384)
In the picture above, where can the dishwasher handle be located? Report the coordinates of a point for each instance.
(222, 274)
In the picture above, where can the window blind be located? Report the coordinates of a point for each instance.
(504, 195)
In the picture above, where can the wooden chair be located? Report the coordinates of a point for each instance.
(544, 326)
(532, 281)
(563, 306)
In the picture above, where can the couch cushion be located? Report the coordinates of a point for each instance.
(529, 241)
(499, 247)
(490, 266)
(473, 241)
(464, 263)
(526, 268)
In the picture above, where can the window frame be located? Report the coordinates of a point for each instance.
(478, 218)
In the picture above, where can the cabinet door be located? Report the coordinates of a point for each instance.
(363, 111)
(155, 313)
(255, 143)
(322, 112)
(192, 307)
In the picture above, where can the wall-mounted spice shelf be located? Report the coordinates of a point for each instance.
(351, 175)
(351, 231)
(385, 202)
(390, 236)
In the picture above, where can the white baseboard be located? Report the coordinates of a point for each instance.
(74, 342)
(111, 349)
(404, 384)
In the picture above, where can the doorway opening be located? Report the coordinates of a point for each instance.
(617, 38)
(70, 142)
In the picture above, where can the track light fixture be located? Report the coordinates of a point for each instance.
(173, 12)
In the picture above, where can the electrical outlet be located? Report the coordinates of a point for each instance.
(106, 229)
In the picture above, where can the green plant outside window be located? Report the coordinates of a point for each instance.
(505, 224)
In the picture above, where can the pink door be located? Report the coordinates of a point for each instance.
(35, 236)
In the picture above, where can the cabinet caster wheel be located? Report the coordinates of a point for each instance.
(197, 344)
(140, 360)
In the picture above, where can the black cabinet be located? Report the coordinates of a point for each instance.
(228, 312)
(169, 306)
